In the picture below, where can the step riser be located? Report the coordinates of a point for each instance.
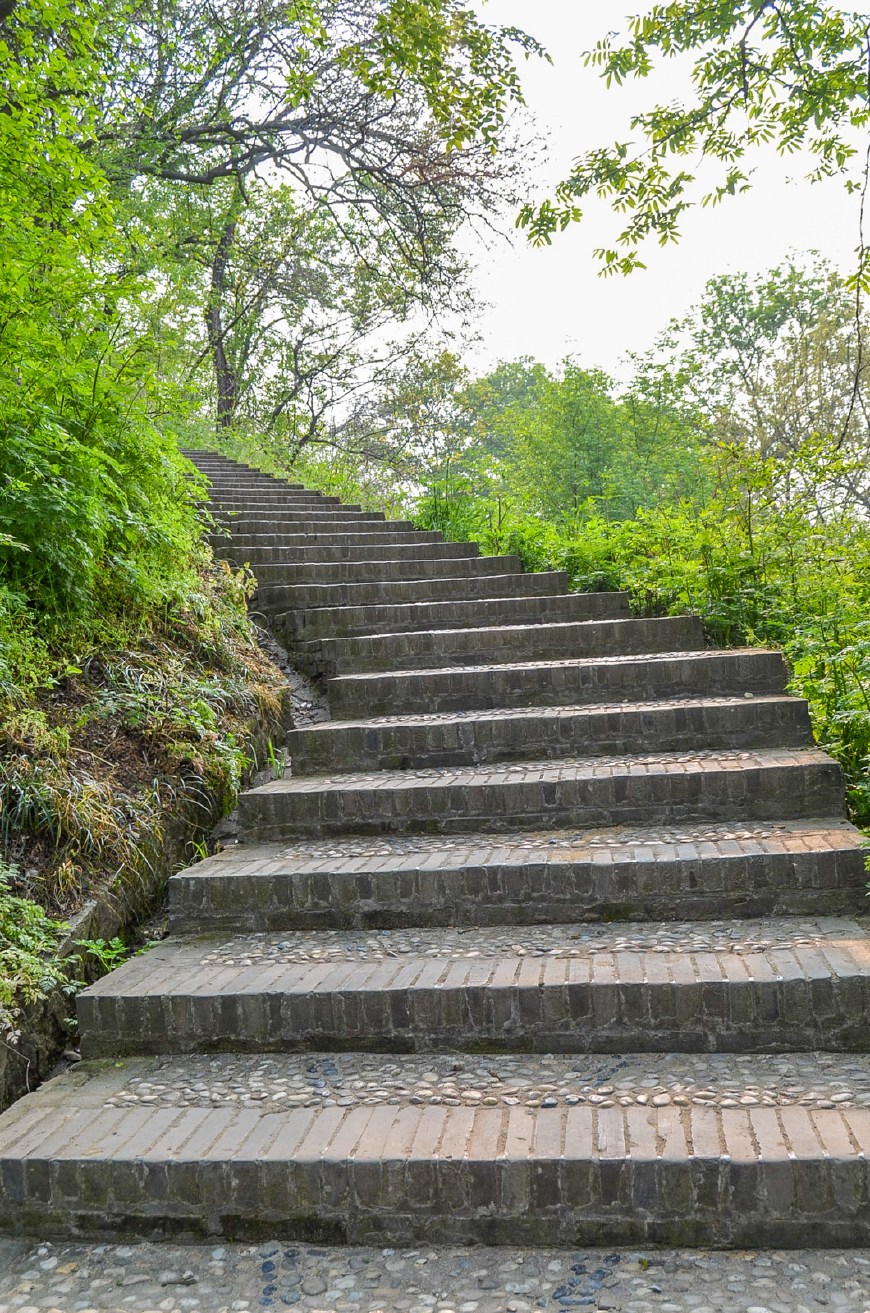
(276, 600)
(285, 573)
(276, 559)
(284, 507)
(372, 536)
(299, 521)
(586, 1197)
(241, 487)
(827, 883)
(328, 750)
(219, 489)
(223, 506)
(262, 529)
(753, 793)
(719, 674)
(268, 493)
(617, 1016)
(425, 650)
(306, 626)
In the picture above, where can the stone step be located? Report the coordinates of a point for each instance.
(304, 504)
(221, 487)
(229, 491)
(283, 519)
(276, 558)
(246, 478)
(349, 621)
(751, 986)
(260, 527)
(731, 673)
(654, 789)
(365, 535)
(222, 482)
(386, 592)
(536, 642)
(813, 867)
(293, 503)
(470, 738)
(707, 1150)
(288, 573)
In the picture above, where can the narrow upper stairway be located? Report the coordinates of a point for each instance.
(553, 933)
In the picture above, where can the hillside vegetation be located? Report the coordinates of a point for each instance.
(174, 260)
(727, 476)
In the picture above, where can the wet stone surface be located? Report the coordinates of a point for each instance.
(310, 1080)
(580, 940)
(169, 1278)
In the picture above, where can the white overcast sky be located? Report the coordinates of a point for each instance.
(550, 302)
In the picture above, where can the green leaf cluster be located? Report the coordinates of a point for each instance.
(791, 74)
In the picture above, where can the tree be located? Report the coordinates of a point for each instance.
(792, 73)
(377, 125)
(773, 364)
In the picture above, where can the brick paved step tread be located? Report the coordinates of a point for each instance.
(279, 598)
(71, 1163)
(324, 622)
(797, 867)
(754, 985)
(656, 789)
(489, 685)
(468, 646)
(467, 738)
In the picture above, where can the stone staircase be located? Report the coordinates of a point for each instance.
(551, 936)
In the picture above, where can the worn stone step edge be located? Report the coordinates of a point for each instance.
(659, 789)
(567, 681)
(542, 639)
(344, 530)
(372, 535)
(306, 624)
(303, 518)
(284, 597)
(545, 733)
(383, 568)
(799, 868)
(272, 559)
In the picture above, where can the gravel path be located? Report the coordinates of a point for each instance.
(170, 1278)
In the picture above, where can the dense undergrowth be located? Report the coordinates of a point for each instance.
(130, 677)
(758, 571)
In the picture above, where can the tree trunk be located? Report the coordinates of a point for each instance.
(226, 377)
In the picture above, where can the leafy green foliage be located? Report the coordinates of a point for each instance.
(791, 74)
(29, 967)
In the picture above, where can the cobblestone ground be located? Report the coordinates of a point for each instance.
(164, 1278)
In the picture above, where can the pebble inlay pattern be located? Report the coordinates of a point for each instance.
(543, 941)
(796, 835)
(345, 1081)
(147, 1278)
